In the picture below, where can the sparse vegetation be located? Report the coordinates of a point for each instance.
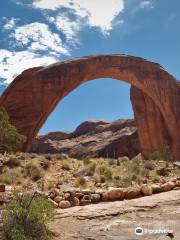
(66, 166)
(164, 154)
(80, 182)
(13, 161)
(105, 171)
(33, 171)
(26, 218)
(10, 139)
(11, 176)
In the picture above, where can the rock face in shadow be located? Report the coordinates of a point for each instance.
(93, 138)
(34, 94)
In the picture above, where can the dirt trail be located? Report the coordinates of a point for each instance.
(118, 220)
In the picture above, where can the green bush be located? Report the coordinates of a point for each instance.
(90, 169)
(105, 171)
(10, 139)
(81, 181)
(164, 154)
(33, 171)
(11, 176)
(13, 161)
(26, 218)
(87, 160)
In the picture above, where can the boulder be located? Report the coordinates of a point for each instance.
(167, 186)
(146, 190)
(132, 192)
(75, 201)
(156, 188)
(115, 194)
(58, 199)
(95, 198)
(64, 204)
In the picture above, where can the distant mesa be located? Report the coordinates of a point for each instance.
(93, 139)
(155, 96)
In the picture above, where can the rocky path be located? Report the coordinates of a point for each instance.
(118, 220)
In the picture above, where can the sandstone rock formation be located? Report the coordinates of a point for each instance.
(93, 138)
(34, 94)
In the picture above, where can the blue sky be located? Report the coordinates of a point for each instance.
(40, 32)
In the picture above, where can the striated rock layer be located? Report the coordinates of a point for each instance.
(34, 94)
(94, 139)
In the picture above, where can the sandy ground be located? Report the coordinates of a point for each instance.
(157, 215)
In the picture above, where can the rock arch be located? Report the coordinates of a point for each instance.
(155, 95)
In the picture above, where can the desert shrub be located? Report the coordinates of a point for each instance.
(33, 171)
(49, 157)
(99, 179)
(81, 181)
(26, 218)
(11, 176)
(164, 154)
(87, 160)
(45, 164)
(66, 166)
(13, 161)
(125, 182)
(112, 161)
(51, 184)
(149, 165)
(105, 171)
(90, 169)
(10, 139)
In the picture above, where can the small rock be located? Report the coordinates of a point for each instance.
(55, 192)
(176, 188)
(64, 204)
(115, 194)
(146, 190)
(85, 200)
(156, 188)
(54, 204)
(75, 201)
(132, 192)
(67, 196)
(167, 186)
(58, 199)
(79, 195)
(95, 198)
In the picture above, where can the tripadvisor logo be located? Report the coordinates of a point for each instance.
(139, 231)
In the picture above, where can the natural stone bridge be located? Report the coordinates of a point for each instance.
(155, 96)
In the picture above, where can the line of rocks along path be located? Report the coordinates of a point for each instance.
(118, 220)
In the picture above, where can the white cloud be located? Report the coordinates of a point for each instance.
(12, 64)
(32, 37)
(146, 4)
(37, 36)
(10, 24)
(99, 13)
(68, 27)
